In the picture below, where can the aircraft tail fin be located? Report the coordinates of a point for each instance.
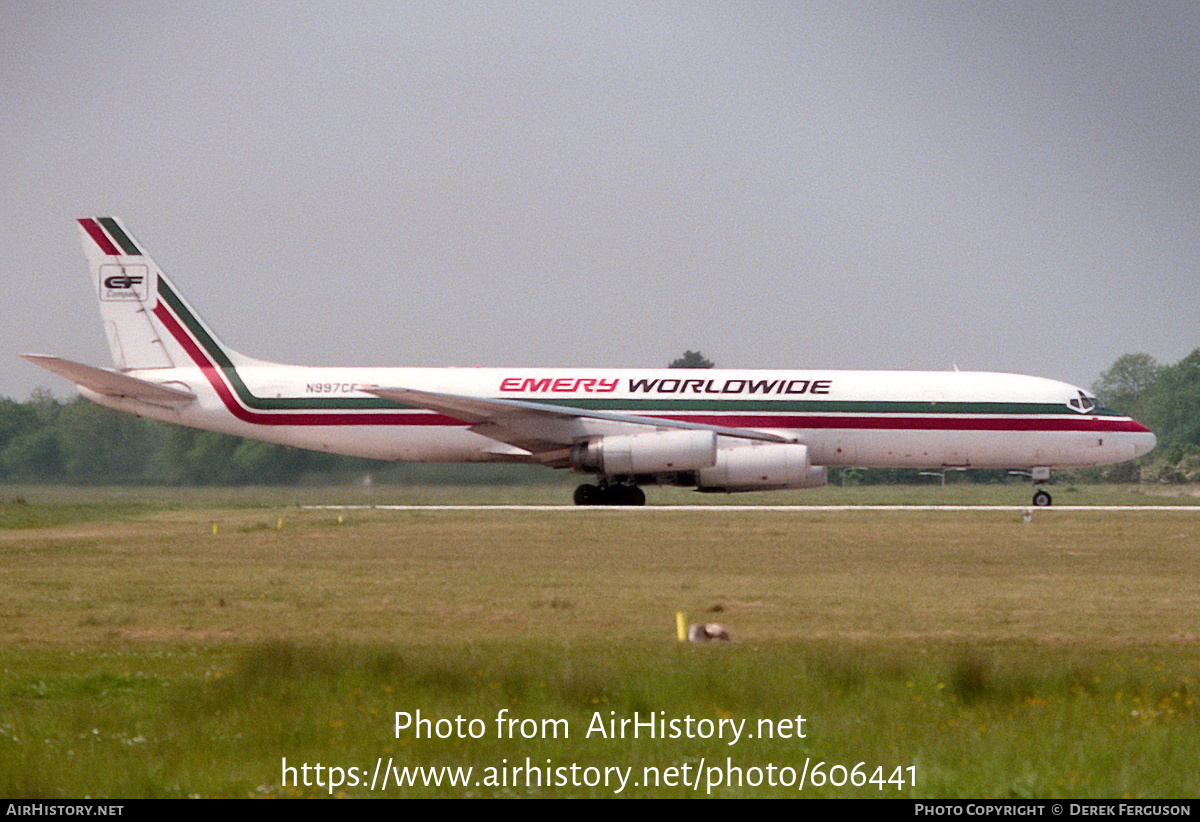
(147, 323)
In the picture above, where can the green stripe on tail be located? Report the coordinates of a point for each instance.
(114, 231)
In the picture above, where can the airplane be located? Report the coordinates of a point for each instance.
(713, 430)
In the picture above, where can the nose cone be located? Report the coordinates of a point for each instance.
(1143, 442)
(1140, 438)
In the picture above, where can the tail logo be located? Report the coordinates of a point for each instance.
(119, 283)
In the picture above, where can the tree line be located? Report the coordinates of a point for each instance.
(49, 440)
(1166, 398)
(46, 439)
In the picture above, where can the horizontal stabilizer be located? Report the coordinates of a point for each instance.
(111, 383)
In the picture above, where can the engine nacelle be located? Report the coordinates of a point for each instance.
(659, 452)
(762, 467)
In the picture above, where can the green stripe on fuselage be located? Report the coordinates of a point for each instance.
(660, 405)
(250, 400)
(670, 404)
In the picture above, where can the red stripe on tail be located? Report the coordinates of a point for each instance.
(97, 233)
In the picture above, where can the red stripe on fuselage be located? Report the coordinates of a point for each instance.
(216, 378)
(97, 234)
(219, 381)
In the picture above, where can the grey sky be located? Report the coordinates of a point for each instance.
(999, 186)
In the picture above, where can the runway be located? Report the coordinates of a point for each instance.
(774, 509)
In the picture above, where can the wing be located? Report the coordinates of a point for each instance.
(547, 432)
(112, 383)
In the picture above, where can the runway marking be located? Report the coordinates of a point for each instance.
(710, 509)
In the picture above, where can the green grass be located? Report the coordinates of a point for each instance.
(17, 513)
(1004, 721)
(142, 654)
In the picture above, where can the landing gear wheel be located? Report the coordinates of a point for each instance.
(587, 494)
(1041, 499)
(629, 495)
(619, 494)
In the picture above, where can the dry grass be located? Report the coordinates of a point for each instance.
(381, 576)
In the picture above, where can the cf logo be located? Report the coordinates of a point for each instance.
(122, 281)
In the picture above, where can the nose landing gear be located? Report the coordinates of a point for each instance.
(1039, 475)
(1041, 498)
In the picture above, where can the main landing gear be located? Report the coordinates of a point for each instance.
(609, 494)
(1040, 498)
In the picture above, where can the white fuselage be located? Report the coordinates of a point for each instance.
(846, 418)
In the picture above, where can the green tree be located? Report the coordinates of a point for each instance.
(1129, 378)
(692, 359)
(1172, 407)
(1166, 398)
(29, 447)
(98, 443)
(265, 462)
(16, 418)
(33, 455)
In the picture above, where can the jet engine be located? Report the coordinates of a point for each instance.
(660, 452)
(761, 467)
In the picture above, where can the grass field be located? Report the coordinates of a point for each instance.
(185, 644)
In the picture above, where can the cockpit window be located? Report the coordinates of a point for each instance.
(1083, 403)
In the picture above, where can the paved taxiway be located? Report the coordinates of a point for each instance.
(796, 509)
